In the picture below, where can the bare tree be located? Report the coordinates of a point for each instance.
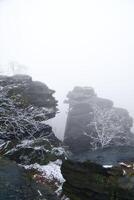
(19, 117)
(109, 126)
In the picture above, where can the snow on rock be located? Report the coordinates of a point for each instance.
(107, 166)
(58, 151)
(25, 143)
(51, 171)
(125, 165)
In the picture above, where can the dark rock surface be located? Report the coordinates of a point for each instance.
(87, 180)
(17, 184)
(25, 106)
(94, 122)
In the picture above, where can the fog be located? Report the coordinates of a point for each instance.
(70, 43)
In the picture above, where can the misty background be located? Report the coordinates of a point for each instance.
(72, 43)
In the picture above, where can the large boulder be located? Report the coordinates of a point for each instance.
(94, 122)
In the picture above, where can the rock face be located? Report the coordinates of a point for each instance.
(17, 184)
(25, 105)
(87, 180)
(94, 122)
(13, 183)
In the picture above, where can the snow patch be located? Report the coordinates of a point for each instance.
(58, 151)
(51, 171)
(25, 143)
(40, 193)
(125, 165)
(107, 166)
(124, 172)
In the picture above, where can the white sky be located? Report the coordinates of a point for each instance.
(73, 42)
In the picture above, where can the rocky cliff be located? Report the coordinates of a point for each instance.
(25, 136)
(98, 134)
(94, 122)
(94, 128)
(25, 105)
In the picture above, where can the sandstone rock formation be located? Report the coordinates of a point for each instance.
(94, 122)
(25, 105)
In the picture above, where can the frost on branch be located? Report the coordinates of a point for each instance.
(94, 123)
(108, 127)
(25, 105)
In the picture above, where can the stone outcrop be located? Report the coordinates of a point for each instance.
(25, 106)
(94, 122)
(88, 180)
